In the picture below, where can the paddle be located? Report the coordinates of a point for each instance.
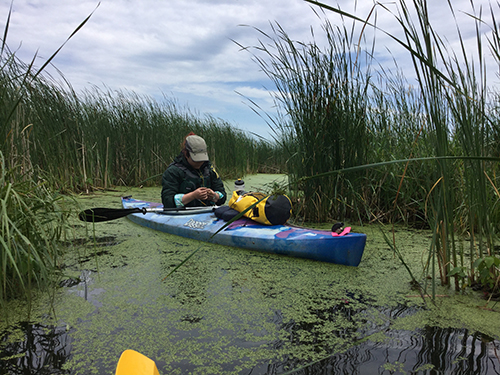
(105, 214)
(135, 363)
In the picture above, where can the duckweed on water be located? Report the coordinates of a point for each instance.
(229, 310)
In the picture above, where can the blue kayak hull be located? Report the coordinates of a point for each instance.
(285, 239)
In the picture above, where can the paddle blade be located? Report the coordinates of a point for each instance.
(135, 363)
(95, 215)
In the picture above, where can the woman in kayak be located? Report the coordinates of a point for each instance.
(191, 180)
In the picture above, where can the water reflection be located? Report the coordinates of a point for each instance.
(430, 351)
(43, 350)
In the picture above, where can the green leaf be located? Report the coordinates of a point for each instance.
(489, 261)
(478, 262)
(457, 271)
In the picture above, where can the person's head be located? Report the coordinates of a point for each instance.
(195, 148)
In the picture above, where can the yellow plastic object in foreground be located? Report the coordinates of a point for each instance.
(135, 363)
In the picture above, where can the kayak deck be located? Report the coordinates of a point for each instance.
(244, 233)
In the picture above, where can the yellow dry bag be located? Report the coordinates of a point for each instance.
(271, 210)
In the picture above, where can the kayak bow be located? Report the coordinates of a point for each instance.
(135, 363)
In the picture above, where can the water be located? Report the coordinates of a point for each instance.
(233, 311)
(431, 350)
(42, 350)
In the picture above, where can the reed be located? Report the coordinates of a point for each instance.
(323, 94)
(443, 130)
(455, 99)
(100, 138)
(357, 141)
(112, 138)
(53, 139)
(32, 224)
(32, 219)
(397, 132)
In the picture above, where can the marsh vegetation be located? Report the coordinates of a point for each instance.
(357, 141)
(235, 311)
(365, 144)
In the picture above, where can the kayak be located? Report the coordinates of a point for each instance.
(289, 240)
(135, 363)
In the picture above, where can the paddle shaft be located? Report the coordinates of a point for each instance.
(99, 214)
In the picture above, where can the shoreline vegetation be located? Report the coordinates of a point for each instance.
(357, 143)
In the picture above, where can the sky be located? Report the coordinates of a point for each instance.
(189, 51)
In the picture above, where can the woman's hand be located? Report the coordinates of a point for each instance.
(213, 196)
(202, 194)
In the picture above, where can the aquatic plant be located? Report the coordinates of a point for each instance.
(443, 133)
(323, 94)
(32, 218)
(32, 223)
(110, 138)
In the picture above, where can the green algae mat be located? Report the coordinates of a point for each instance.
(234, 311)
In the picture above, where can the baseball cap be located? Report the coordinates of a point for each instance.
(197, 148)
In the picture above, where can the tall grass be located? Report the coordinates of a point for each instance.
(100, 138)
(32, 219)
(455, 95)
(112, 138)
(397, 131)
(357, 140)
(337, 114)
(53, 139)
(422, 41)
(323, 94)
(32, 223)
(340, 115)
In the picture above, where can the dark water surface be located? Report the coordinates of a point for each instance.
(232, 311)
(431, 350)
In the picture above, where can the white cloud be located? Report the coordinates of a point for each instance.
(185, 49)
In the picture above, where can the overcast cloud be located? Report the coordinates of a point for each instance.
(184, 49)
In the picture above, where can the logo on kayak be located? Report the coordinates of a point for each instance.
(195, 224)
